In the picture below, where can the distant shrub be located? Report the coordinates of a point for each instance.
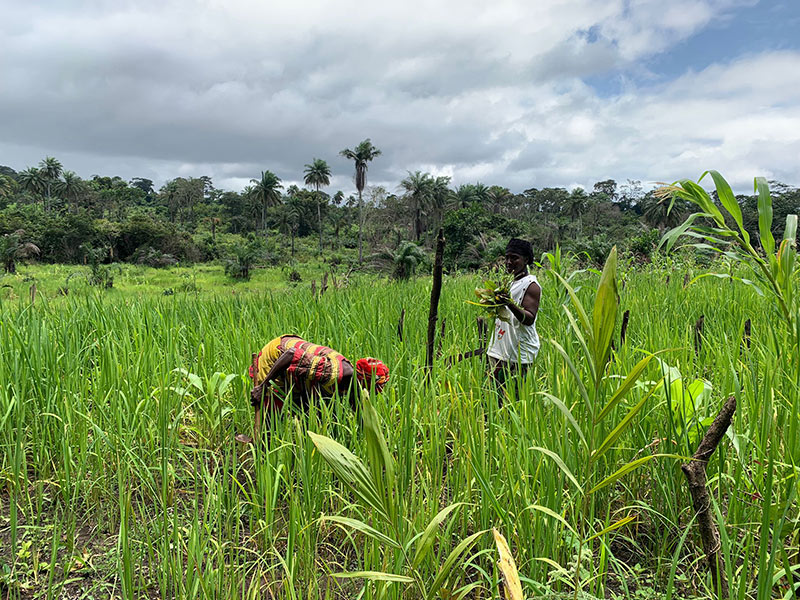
(643, 245)
(596, 249)
(243, 257)
(149, 256)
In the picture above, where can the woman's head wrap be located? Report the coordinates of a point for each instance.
(371, 369)
(521, 247)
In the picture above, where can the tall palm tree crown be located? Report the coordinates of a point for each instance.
(70, 187)
(51, 170)
(31, 180)
(419, 190)
(267, 191)
(362, 155)
(317, 174)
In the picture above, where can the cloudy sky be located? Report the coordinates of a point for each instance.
(522, 93)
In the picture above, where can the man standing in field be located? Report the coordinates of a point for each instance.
(301, 372)
(515, 343)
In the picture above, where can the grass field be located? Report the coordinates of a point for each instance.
(119, 476)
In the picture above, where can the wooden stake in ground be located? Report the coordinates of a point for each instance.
(695, 472)
(698, 335)
(624, 329)
(400, 323)
(746, 335)
(436, 291)
(483, 332)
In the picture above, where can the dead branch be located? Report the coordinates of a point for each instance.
(695, 473)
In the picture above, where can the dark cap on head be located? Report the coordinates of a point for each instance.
(521, 247)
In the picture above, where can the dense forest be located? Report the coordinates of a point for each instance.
(51, 214)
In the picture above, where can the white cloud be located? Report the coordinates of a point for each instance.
(493, 92)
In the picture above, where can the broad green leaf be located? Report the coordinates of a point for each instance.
(625, 387)
(617, 431)
(225, 383)
(728, 200)
(631, 466)
(790, 231)
(551, 513)
(374, 576)
(604, 314)
(349, 468)
(574, 370)
(612, 527)
(381, 462)
(696, 194)
(786, 259)
(699, 391)
(195, 381)
(582, 342)
(425, 542)
(582, 314)
(447, 566)
(559, 461)
(567, 414)
(362, 527)
(764, 215)
(671, 237)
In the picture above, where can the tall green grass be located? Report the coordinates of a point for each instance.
(119, 474)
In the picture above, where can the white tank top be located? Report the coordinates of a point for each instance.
(512, 341)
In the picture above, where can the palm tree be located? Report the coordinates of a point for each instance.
(403, 261)
(70, 187)
(290, 217)
(318, 173)
(660, 212)
(12, 249)
(51, 170)
(471, 192)
(441, 195)
(213, 223)
(338, 217)
(362, 155)
(31, 180)
(419, 190)
(498, 197)
(575, 205)
(267, 191)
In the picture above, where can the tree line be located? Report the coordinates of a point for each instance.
(64, 217)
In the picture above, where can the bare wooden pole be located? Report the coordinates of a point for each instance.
(483, 332)
(400, 323)
(746, 335)
(623, 331)
(436, 291)
(698, 334)
(695, 472)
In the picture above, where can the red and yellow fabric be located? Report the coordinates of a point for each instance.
(314, 367)
(371, 369)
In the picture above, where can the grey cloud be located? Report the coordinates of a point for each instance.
(156, 90)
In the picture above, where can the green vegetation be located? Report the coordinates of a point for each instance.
(120, 475)
(189, 220)
(124, 386)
